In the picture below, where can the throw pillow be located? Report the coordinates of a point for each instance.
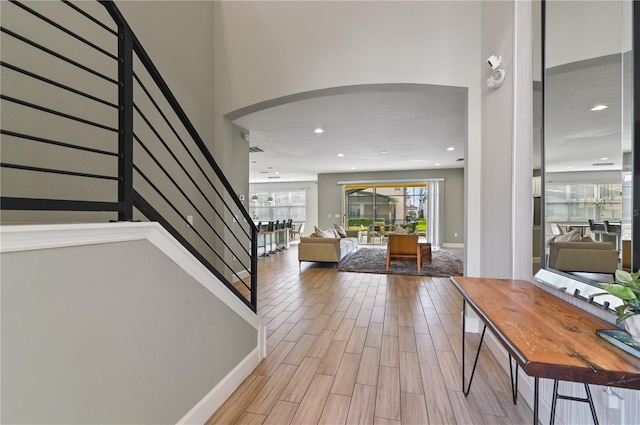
(330, 233)
(318, 232)
(572, 236)
(341, 232)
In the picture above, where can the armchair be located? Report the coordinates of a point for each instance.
(403, 247)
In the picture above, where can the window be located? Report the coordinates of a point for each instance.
(581, 202)
(278, 205)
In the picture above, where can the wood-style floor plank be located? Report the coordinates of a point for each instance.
(360, 348)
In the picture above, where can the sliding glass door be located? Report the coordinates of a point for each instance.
(384, 202)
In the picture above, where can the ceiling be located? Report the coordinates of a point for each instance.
(374, 130)
(412, 127)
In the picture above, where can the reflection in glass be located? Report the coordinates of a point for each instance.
(587, 110)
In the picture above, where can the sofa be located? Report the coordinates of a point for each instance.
(327, 246)
(583, 256)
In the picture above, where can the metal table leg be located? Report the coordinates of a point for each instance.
(475, 363)
(587, 399)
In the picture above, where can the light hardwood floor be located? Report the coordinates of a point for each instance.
(346, 348)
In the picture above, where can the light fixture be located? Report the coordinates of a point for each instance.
(318, 130)
(497, 73)
(437, 164)
(599, 108)
(604, 158)
(340, 155)
(451, 148)
(254, 198)
(383, 152)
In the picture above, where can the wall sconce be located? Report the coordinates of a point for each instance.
(497, 72)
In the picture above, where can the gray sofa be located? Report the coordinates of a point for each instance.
(327, 250)
(583, 256)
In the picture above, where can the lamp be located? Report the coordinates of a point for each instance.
(497, 72)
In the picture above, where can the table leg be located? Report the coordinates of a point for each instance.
(587, 399)
(475, 363)
(536, 388)
(264, 243)
(514, 384)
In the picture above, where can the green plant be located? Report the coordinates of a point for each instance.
(410, 222)
(627, 289)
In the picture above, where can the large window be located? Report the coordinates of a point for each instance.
(278, 205)
(388, 203)
(580, 202)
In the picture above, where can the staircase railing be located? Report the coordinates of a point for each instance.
(91, 131)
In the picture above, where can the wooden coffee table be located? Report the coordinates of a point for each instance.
(424, 253)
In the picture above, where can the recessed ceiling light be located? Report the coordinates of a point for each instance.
(318, 130)
(277, 172)
(604, 158)
(437, 163)
(353, 168)
(340, 155)
(451, 148)
(383, 152)
(599, 107)
(569, 167)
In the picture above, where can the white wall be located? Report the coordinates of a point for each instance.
(265, 50)
(497, 143)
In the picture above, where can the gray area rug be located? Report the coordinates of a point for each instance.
(374, 260)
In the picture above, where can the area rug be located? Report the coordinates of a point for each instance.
(374, 260)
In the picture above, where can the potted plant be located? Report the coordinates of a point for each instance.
(627, 289)
(410, 223)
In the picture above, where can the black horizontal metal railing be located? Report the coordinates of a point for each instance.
(94, 108)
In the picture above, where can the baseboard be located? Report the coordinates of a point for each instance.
(453, 245)
(206, 407)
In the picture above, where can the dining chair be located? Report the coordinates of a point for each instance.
(597, 229)
(378, 231)
(299, 231)
(613, 230)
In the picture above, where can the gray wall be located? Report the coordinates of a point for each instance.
(188, 71)
(330, 196)
(112, 333)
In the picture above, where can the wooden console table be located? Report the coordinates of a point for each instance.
(547, 337)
